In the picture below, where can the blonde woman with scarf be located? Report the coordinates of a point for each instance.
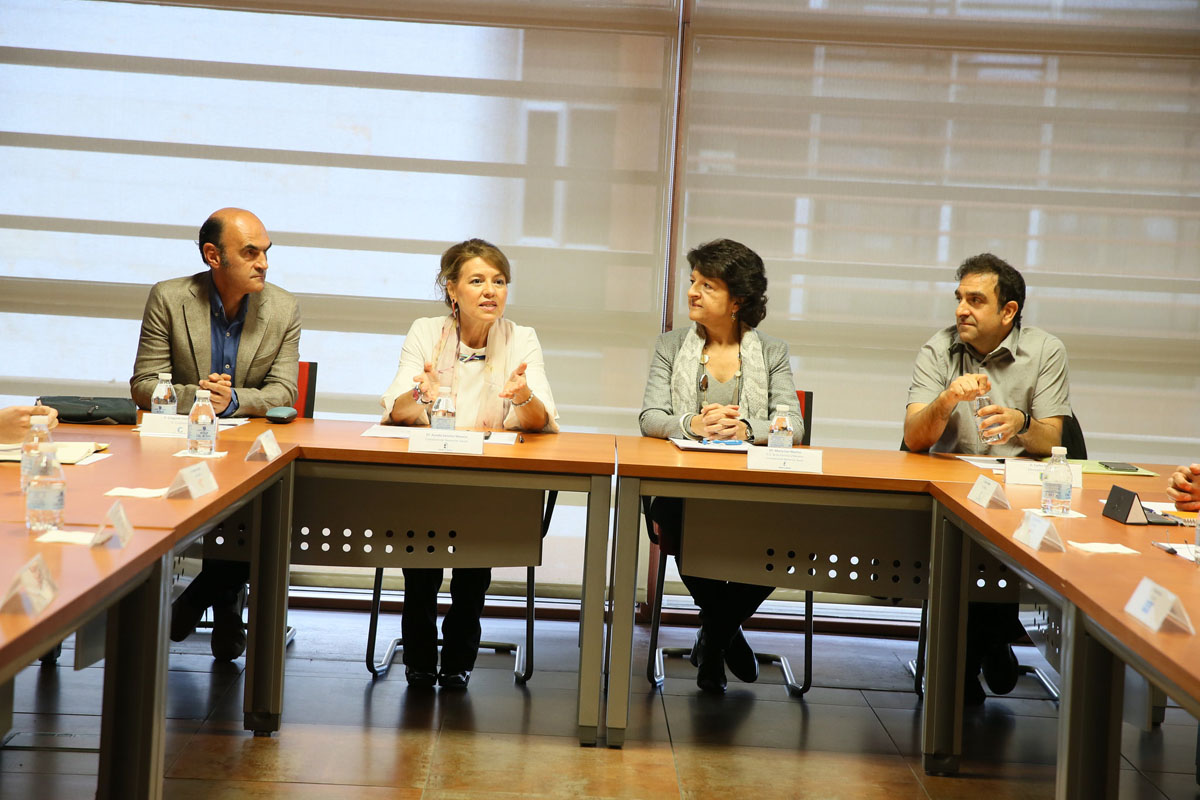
(718, 378)
(497, 380)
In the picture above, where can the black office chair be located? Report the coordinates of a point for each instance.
(655, 671)
(523, 667)
(1073, 440)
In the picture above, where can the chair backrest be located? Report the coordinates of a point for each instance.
(306, 383)
(806, 400)
(1072, 437)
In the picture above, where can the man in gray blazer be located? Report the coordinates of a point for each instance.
(229, 331)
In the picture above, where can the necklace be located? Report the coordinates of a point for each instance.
(737, 389)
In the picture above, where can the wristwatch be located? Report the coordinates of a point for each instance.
(1024, 427)
(420, 398)
(749, 431)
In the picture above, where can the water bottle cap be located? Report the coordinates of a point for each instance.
(1058, 451)
(203, 394)
(443, 390)
(39, 420)
(164, 376)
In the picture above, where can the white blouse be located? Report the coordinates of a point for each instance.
(418, 348)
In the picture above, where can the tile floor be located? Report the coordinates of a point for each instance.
(855, 736)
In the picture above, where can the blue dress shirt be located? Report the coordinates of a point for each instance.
(226, 336)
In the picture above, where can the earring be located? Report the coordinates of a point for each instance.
(733, 315)
(453, 308)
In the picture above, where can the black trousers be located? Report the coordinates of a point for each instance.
(460, 628)
(990, 625)
(220, 581)
(724, 605)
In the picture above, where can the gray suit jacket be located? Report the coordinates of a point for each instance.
(177, 338)
(660, 420)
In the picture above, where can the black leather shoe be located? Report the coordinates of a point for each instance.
(419, 679)
(189, 608)
(710, 665)
(740, 658)
(1000, 668)
(228, 634)
(454, 680)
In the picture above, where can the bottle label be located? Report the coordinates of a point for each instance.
(442, 422)
(162, 408)
(44, 498)
(779, 439)
(202, 431)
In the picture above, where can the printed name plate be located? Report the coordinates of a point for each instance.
(784, 459)
(1038, 533)
(120, 526)
(173, 426)
(1153, 605)
(427, 440)
(1029, 473)
(32, 588)
(987, 493)
(264, 447)
(194, 481)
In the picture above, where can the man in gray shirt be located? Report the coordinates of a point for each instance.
(1023, 370)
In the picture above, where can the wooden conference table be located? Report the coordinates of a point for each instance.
(1091, 591)
(366, 501)
(132, 584)
(874, 523)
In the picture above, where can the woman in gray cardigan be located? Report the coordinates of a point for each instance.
(718, 379)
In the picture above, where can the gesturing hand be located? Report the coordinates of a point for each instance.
(427, 384)
(516, 388)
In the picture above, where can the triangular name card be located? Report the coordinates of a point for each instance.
(1125, 507)
(31, 589)
(119, 523)
(987, 493)
(1038, 533)
(194, 481)
(1154, 605)
(264, 447)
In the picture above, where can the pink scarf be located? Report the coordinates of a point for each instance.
(493, 408)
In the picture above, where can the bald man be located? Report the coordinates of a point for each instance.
(229, 331)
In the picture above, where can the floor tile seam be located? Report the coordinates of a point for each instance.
(913, 765)
(882, 724)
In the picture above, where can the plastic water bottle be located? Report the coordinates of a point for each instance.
(982, 402)
(202, 425)
(39, 434)
(442, 414)
(781, 428)
(1056, 484)
(46, 494)
(163, 399)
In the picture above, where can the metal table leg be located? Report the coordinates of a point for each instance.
(591, 624)
(942, 722)
(270, 557)
(132, 729)
(620, 665)
(1089, 715)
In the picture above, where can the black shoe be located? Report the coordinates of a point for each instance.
(740, 658)
(228, 634)
(1000, 668)
(454, 680)
(189, 608)
(694, 653)
(419, 679)
(973, 694)
(710, 666)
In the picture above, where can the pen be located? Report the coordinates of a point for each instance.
(1166, 547)
(521, 438)
(722, 441)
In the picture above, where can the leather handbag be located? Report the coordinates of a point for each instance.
(93, 410)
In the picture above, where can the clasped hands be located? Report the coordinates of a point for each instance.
(993, 420)
(221, 386)
(716, 421)
(1184, 488)
(516, 388)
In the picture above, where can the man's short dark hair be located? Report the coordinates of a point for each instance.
(741, 269)
(210, 233)
(1009, 283)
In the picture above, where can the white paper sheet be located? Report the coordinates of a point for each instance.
(1101, 547)
(711, 446)
(124, 491)
(387, 432)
